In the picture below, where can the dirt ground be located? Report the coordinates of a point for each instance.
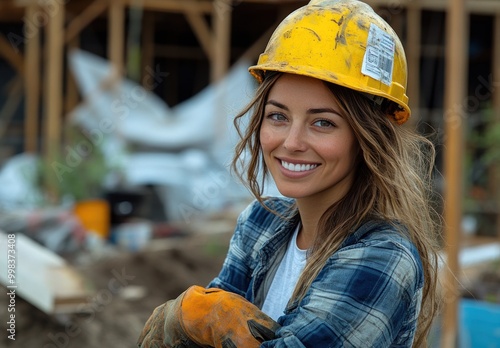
(127, 287)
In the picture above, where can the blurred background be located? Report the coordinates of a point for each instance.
(116, 134)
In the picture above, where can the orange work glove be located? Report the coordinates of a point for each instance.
(207, 318)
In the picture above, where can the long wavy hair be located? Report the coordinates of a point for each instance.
(393, 177)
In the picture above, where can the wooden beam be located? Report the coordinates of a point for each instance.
(116, 35)
(202, 32)
(95, 9)
(252, 53)
(258, 46)
(43, 278)
(32, 85)
(53, 81)
(454, 119)
(13, 101)
(221, 19)
(10, 12)
(11, 55)
(203, 6)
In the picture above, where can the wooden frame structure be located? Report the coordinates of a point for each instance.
(215, 42)
(51, 17)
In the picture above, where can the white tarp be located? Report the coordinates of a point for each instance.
(183, 151)
(192, 143)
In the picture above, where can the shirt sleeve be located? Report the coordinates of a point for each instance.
(366, 296)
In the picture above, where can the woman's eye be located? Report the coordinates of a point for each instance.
(324, 123)
(276, 117)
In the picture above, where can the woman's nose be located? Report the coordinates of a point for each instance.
(295, 139)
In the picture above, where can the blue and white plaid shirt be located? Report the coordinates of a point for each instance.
(367, 295)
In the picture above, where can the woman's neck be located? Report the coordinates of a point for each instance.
(310, 215)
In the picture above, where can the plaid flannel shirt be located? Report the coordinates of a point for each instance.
(368, 294)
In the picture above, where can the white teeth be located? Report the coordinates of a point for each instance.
(298, 167)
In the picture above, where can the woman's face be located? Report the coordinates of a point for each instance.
(309, 148)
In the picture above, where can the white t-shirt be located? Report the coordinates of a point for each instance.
(285, 279)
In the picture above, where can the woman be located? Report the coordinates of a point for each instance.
(348, 258)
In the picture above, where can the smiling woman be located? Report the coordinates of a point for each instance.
(348, 256)
(308, 146)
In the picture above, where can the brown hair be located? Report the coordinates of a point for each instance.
(393, 176)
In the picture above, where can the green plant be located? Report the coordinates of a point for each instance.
(491, 142)
(482, 161)
(77, 171)
(487, 137)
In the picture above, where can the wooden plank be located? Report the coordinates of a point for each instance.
(252, 53)
(202, 32)
(116, 34)
(32, 85)
(54, 80)
(42, 277)
(177, 6)
(10, 11)
(181, 6)
(90, 13)
(11, 55)
(455, 90)
(222, 34)
(8, 109)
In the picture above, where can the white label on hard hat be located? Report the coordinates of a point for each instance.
(379, 55)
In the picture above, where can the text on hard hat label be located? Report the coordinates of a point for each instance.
(379, 55)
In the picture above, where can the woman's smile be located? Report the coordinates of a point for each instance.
(295, 170)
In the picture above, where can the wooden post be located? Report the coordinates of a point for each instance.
(13, 100)
(90, 13)
(11, 55)
(116, 34)
(454, 118)
(221, 19)
(53, 81)
(32, 83)
(72, 95)
(202, 32)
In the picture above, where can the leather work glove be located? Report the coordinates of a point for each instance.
(202, 317)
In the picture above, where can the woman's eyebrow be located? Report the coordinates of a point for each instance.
(275, 103)
(323, 110)
(309, 111)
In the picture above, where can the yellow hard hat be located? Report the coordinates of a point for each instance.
(343, 42)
